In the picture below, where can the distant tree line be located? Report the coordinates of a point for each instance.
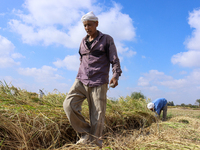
(170, 103)
(188, 105)
(196, 105)
(138, 95)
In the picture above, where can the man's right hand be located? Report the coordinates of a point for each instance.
(114, 81)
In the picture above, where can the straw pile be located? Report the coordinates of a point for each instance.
(28, 123)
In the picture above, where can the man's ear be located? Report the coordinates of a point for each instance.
(97, 23)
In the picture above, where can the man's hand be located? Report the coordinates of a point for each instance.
(114, 81)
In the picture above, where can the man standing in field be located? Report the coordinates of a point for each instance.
(97, 51)
(157, 105)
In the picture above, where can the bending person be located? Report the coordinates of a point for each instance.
(159, 105)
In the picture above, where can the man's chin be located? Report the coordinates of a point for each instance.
(89, 33)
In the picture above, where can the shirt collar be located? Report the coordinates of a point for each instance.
(98, 37)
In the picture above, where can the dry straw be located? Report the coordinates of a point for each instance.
(28, 123)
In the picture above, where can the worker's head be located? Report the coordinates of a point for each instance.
(150, 106)
(90, 22)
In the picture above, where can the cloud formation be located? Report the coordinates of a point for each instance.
(191, 57)
(114, 20)
(156, 78)
(187, 59)
(157, 84)
(7, 55)
(58, 22)
(70, 62)
(152, 78)
(54, 12)
(44, 74)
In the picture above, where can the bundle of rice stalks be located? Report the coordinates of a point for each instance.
(128, 113)
(27, 122)
(33, 131)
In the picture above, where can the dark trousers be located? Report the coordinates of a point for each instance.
(164, 109)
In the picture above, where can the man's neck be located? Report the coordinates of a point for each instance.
(92, 37)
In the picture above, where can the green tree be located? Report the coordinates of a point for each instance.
(170, 103)
(183, 104)
(137, 95)
(198, 101)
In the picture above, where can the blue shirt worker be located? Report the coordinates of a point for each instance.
(159, 105)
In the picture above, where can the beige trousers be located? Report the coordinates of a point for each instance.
(96, 97)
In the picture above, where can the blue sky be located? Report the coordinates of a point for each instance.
(158, 43)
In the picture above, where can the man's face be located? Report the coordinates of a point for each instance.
(152, 109)
(90, 27)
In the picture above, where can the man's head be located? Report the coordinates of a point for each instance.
(150, 106)
(89, 17)
(90, 22)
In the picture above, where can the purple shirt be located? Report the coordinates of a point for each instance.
(95, 62)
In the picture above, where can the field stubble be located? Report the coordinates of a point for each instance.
(28, 123)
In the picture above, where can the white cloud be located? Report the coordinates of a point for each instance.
(125, 51)
(130, 53)
(51, 22)
(157, 78)
(7, 54)
(183, 72)
(125, 68)
(70, 62)
(143, 81)
(6, 47)
(191, 57)
(194, 77)
(113, 20)
(174, 84)
(17, 55)
(8, 79)
(7, 62)
(52, 12)
(156, 84)
(194, 22)
(58, 22)
(44, 74)
(49, 35)
(187, 59)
